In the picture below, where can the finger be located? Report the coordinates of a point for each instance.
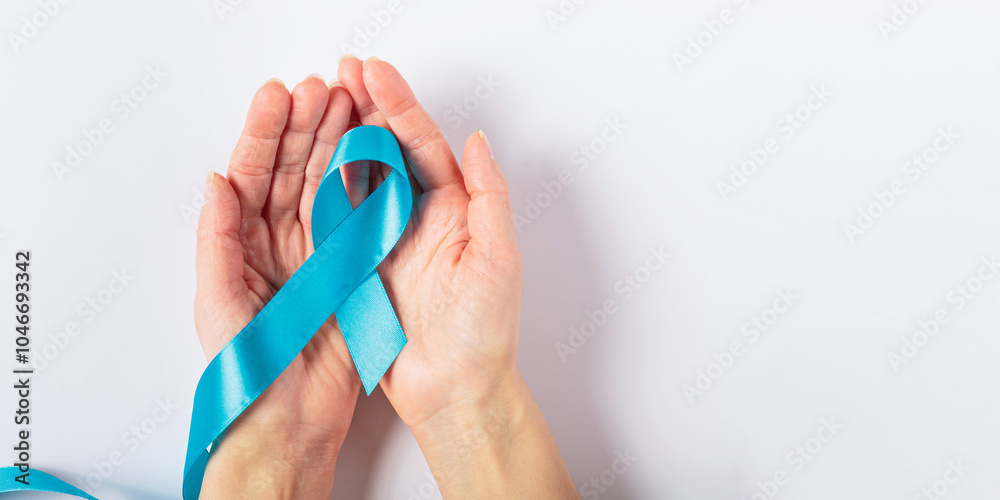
(431, 158)
(351, 73)
(358, 176)
(331, 128)
(219, 257)
(253, 158)
(308, 103)
(492, 233)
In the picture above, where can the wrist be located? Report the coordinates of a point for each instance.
(477, 429)
(472, 404)
(253, 461)
(493, 443)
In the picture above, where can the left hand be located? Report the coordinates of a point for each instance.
(253, 234)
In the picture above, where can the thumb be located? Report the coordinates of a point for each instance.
(219, 257)
(490, 217)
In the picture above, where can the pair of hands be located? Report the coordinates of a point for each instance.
(454, 278)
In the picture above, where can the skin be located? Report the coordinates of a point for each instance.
(454, 279)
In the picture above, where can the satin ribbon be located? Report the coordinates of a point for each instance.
(40, 481)
(339, 277)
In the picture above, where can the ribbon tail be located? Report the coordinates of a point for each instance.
(372, 332)
(39, 481)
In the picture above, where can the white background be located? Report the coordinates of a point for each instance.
(129, 205)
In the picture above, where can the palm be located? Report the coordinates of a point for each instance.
(321, 380)
(255, 233)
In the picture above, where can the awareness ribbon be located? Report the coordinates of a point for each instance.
(340, 276)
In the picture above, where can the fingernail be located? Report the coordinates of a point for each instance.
(346, 56)
(333, 83)
(317, 75)
(486, 142)
(269, 80)
(209, 184)
(370, 60)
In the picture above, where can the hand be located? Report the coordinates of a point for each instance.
(455, 281)
(454, 277)
(254, 232)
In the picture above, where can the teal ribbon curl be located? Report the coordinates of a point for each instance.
(339, 277)
(39, 481)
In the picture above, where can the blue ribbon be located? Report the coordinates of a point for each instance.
(339, 277)
(40, 481)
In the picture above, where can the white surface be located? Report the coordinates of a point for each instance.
(654, 185)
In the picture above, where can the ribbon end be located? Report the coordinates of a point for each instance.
(377, 361)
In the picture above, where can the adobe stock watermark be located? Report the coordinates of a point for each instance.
(901, 14)
(380, 20)
(913, 170)
(87, 310)
(32, 25)
(582, 159)
(224, 8)
(751, 331)
(941, 487)
(425, 490)
(464, 445)
(603, 481)
(563, 11)
(485, 88)
(714, 28)
(957, 299)
(131, 440)
(625, 289)
(192, 209)
(784, 130)
(121, 108)
(796, 459)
